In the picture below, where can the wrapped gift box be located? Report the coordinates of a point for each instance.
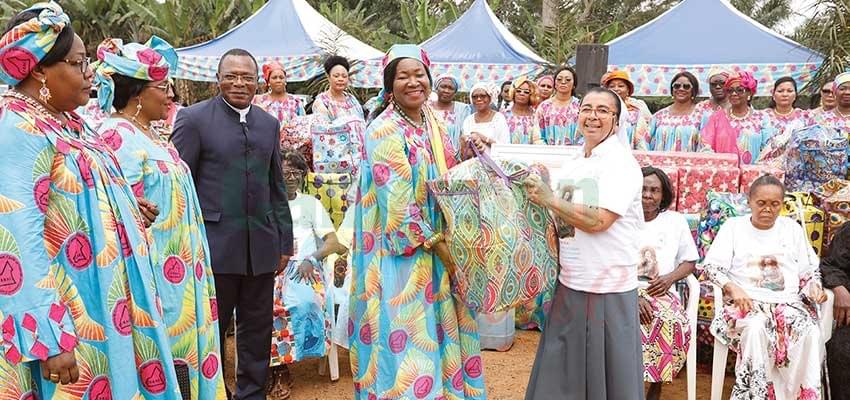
(693, 224)
(813, 217)
(834, 199)
(696, 182)
(721, 206)
(684, 159)
(749, 173)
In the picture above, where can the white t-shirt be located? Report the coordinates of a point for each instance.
(496, 129)
(604, 262)
(767, 264)
(665, 243)
(310, 224)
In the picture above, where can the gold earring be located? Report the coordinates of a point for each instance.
(138, 109)
(44, 92)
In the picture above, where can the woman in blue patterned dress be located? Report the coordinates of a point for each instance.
(80, 313)
(741, 130)
(452, 112)
(132, 78)
(782, 110)
(558, 116)
(522, 125)
(410, 336)
(677, 127)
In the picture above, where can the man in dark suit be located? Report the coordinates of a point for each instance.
(233, 152)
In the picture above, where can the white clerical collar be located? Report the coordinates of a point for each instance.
(243, 112)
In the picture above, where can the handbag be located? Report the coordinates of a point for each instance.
(333, 148)
(504, 246)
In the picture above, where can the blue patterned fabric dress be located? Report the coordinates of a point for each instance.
(75, 266)
(668, 132)
(410, 337)
(454, 120)
(558, 124)
(183, 273)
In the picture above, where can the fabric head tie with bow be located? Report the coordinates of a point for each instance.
(151, 61)
(744, 78)
(26, 44)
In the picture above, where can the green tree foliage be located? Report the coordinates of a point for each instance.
(770, 13)
(828, 32)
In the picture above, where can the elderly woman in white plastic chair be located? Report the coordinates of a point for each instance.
(771, 285)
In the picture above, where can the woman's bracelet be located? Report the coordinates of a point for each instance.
(437, 238)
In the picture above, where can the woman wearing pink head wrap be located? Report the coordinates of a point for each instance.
(741, 129)
(286, 108)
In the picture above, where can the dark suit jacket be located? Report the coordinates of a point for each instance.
(238, 177)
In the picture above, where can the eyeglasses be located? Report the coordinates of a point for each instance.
(480, 97)
(826, 91)
(717, 84)
(82, 63)
(736, 90)
(596, 112)
(682, 86)
(293, 173)
(523, 91)
(164, 87)
(233, 78)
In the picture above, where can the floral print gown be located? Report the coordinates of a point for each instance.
(795, 120)
(182, 268)
(558, 124)
(524, 129)
(777, 341)
(668, 132)
(833, 119)
(752, 133)
(453, 119)
(75, 266)
(284, 111)
(637, 125)
(410, 337)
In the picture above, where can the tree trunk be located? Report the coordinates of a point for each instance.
(550, 13)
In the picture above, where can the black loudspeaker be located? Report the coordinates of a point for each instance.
(591, 64)
(183, 380)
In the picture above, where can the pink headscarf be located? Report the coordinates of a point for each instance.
(270, 67)
(744, 78)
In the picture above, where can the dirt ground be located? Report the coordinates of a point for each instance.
(506, 375)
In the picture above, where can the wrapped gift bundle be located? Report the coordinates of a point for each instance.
(332, 191)
(813, 217)
(684, 159)
(749, 173)
(696, 182)
(815, 156)
(693, 223)
(721, 206)
(834, 199)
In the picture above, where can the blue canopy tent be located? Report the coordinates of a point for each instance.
(288, 31)
(476, 47)
(696, 35)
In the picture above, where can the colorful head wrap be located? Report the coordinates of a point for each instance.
(270, 67)
(715, 70)
(744, 78)
(545, 78)
(490, 88)
(25, 45)
(151, 61)
(399, 51)
(449, 77)
(841, 79)
(618, 74)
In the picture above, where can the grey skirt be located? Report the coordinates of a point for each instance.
(590, 349)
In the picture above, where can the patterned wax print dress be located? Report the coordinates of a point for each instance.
(668, 132)
(558, 124)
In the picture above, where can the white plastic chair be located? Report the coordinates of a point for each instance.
(718, 373)
(333, 355)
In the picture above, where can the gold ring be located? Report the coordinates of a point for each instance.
(54, 377)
